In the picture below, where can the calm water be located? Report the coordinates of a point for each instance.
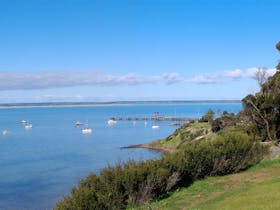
(40, 165)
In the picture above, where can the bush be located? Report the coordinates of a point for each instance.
(208, 117)
(223, 121)
(133, 183)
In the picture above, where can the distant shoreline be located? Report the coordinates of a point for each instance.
(114, 103)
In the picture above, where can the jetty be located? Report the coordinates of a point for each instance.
(155, 118)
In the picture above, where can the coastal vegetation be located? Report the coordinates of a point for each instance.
(255, 188)
(188, 133)
(132, 183)
(213, 146)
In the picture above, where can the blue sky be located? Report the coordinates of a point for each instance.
(108, 50)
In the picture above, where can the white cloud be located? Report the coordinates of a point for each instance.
(234, 74)
(46, 80)
(204, 79)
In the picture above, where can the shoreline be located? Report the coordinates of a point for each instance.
(163, 150)
(114, 103)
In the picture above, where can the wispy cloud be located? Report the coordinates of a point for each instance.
(235, 74)
(45, 80)
(204, 79)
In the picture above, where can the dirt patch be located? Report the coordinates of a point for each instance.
(202, 137)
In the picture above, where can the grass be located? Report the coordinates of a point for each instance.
(255, 188)
(184, 134)
(261, 196)
(205, 125)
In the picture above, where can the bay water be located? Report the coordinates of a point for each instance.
(40, 165)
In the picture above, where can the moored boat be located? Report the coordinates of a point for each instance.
(86, 131)
(155, 127)
(111, 122)
(28, 126)
(5, 132)
(78, 123)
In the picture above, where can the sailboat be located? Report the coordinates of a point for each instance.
(155, 127)
(176, 123)
(23, 121)
(86, 130)
(111, 122)
(156, 117)
(28, 126)
(5, 132)
(78, 123)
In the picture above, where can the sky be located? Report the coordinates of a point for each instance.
(115, 50)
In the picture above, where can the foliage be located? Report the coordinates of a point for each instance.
(186, 133)
(227, 153)
(278, 48)
(223, 192)
(223, 121)
(263, 109)
(208, 117)
(133, 183)
(261, 76)
(260, 116)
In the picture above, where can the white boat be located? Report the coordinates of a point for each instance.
(28, 126)
(86, 131)
(23, 121)
(5, 132)
(134, 122)
(155, 127)
(111, 122)
(145, 123)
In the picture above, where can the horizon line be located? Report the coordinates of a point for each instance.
(123, 102)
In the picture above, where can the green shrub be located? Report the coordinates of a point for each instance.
(208, 117)
(222, 122)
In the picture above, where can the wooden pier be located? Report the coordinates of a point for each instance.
(155, 118)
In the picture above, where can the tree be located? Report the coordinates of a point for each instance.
(257, 115)
(261, 76)
(263, 108)
(278, 48)
(223, 121)
(208, 117)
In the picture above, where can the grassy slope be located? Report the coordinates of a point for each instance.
(256, 188)
(183, 135)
